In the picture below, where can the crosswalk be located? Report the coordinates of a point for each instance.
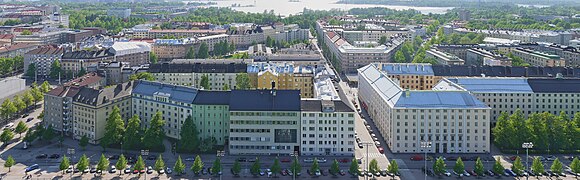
(373, 155)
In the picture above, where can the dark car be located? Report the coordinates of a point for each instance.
(151, 157)
(284, 160)
(54, 156)
(417, 158)
(93, 170)
(114, 157)
(29, 119)
(42, 156)
(31, 168)
(490, 173)
(242, 159)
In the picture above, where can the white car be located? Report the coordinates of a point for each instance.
(321, 160)
(447, 173)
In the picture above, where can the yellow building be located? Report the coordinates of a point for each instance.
(282, 76)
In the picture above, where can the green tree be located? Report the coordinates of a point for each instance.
(28, 98)
(203, 52)
(353, 169)
(45, 87)
(383, 40)
(439, 166)
(82, 72)
(226, 87)
(465, 40)
(557, 166)
(497, 167)
(142, 75)
(139, 165)
(197, 165)
(64, 163)
(179, 167)
(103, 163)
(21, 128)
(6, 136)
(19, 104)
(276, 167)
(575, 165)
(216, 167)
(121, 163)
(83, 163)
(153, 57)
(400, 57)
(55, 69)
(295, 166)
(374, 166)
(159, 164)
(255, 169)
(237, 168)
(132, 137)
(114, 129)
(537, 166)
(83, 142)
(334, 168)
(189, 136)
(154, 134)
(478, 167)
(459, 166)
(393, 167)
(31, 71)
(243, 81)
(8, 109)
(9, 162)
(517, 166)
(38, 96)
(190, 53)
(26, 32)
(204, 82)
(48, 133)
(29, 136)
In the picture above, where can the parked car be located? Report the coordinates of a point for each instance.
(93, 170)
(113, 170)
(447, 173)
(284, 160)
(114, 157)
(151, 157)
(127, 170)
(308, 160)
(550, 158)
(381, 150)
(510, 172)
(149, 170)
(417, 158)
(344, 160)
(168, 170)
(42, 156)
(490, 173)
(342, 173)
(321, 160)
(242, 159)
(54, 156)
(29, 119)
(190, 159)
(466, 174)
(31, 168)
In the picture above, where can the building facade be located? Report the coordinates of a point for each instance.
(327, 128)
(452, 121)
(42, 58)
(77, 60)
(134, 53)
(536, 58)
(219, 75)
(443, 57)
(282, 76)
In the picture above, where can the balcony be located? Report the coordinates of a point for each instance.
(66, 113)
(65, 107)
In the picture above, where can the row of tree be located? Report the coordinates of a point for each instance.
(21, 103)
(439, 167)
(9, 66)
(133, 136)
(548, 132)
(56, 71)
(86, 18)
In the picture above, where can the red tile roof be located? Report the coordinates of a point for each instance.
(85, 80)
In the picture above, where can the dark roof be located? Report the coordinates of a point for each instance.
(198, 68)
(265, 100)
(504, 71)
(84, 54)
(64, 91)
(96, 97)
(555, 85)
(85, 80)
(176, 93)
(316, 106)
(212, 97)
(47, 50)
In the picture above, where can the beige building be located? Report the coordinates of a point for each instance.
(443, 57)
(92, 107)
(415, 76)
(452, 121)
(212, 40)
(536, 58)
(327, 128)
(77, 60)
(183, 33)
(282, 76)
(190, 74)
(168, 49)
(531, 95)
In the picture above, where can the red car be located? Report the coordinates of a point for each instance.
(285, 160)
(381, 150)
(513, 158)
(416, 157)
(345, 160)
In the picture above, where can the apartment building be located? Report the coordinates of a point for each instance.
(42, 58)
(351, 57)
(327, 128)
(371, 35)
(531, 95)
(183, 33)
(443, 57)
(453, 121)
(14, 50)
(479, 56)
(569, 53)
(212, 40)
(134, 53)
(530, 36)
(92, 107)
(282, 76)
(264, 122)
(58, 110)
(212, 115)
(76, 60)
(190, 74)
(410, 76)
(536, 58)
(168, 49)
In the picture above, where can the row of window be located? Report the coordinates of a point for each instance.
(257, 122)
(281, 114)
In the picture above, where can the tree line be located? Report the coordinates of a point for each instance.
(548, 132)
(9, 66)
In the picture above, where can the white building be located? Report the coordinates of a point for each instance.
(327, 128)
(453, 121)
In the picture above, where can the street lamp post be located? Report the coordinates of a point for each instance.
(71, 151)
(219, 155)
(145, 153)
(294, 154)
(527, 145)
(367, 144)
(425, 145)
